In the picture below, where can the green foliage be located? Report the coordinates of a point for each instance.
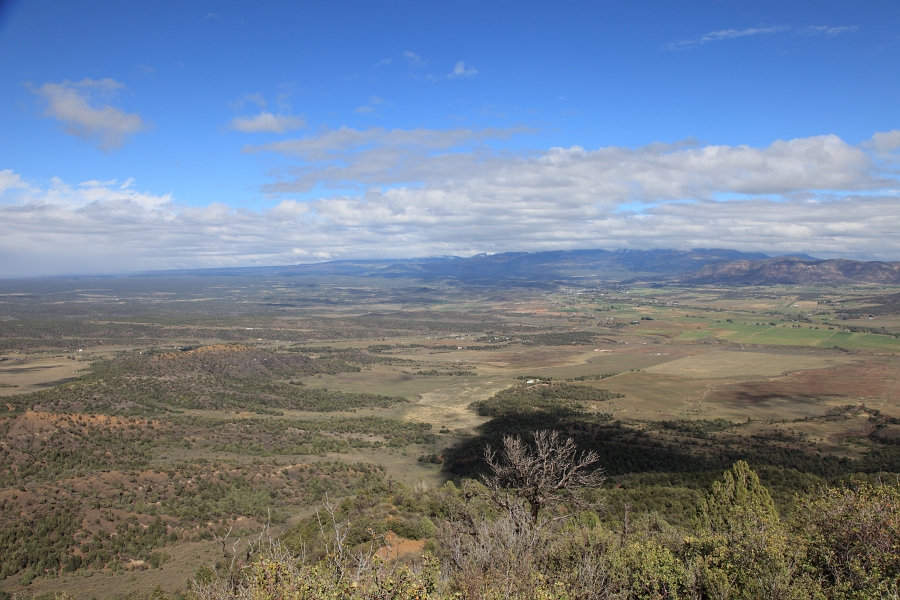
(853, 539)
(596, 377)
(132, 540)
(387, 506)
(699, 428)
(279, 576)
(557, 398)
(742, 549)
(211, 377)
(560, 338)
(739, 500)
(39, 541)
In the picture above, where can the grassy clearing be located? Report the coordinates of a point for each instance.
(658, 396)
(732, 363)
(30, 373)
(805, 335)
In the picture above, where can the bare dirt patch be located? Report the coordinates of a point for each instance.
(396, 546)
(874, 382)
(449, 406)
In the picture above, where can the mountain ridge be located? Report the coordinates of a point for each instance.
(610, 265)
(795, 270)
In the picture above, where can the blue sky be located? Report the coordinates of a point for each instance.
(189, 134)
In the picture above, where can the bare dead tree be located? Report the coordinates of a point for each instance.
(345, 562)
(528, 481)
(534, 486)
(237, 556)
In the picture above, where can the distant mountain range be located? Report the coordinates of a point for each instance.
(795, 270)
(616, 265)
(696, 266)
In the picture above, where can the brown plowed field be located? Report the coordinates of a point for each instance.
(875, 380)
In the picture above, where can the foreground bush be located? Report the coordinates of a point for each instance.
(507, 538)
(277, 574)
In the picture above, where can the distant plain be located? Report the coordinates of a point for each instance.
(265, 378)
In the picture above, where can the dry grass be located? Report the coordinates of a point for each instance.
(29, 373)
(654, 396)
(667, 370)
(726, 362)
(449, 406)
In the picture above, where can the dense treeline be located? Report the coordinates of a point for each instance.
(551, 398)
(83, 479)
(684, 455)
(269, 436)
(212, 378)
(108, 522)
(41, 447)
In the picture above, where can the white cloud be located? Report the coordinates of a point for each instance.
(885, 142)
(730, 34)
(267, 122)
(363, 109)
(414, 59)
(426, 192)
(10, 180)
(827, 30)
(348, 157)
(723, 34)
(83, 107)
(461, 70)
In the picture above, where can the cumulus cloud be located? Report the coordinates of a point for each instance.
(449, 192)
(345, 157)
(461, 70)
(267, 122)
(885, 142)
(84, 108)
(9, 179)
(348, 157)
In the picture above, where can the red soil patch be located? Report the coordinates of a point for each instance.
(39, 422)
(396, 546)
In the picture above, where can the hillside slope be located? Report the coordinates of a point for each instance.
(610, 265)
(792, 270)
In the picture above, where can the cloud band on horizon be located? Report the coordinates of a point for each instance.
(423, 192)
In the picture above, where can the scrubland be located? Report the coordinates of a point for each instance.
(144, 425)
